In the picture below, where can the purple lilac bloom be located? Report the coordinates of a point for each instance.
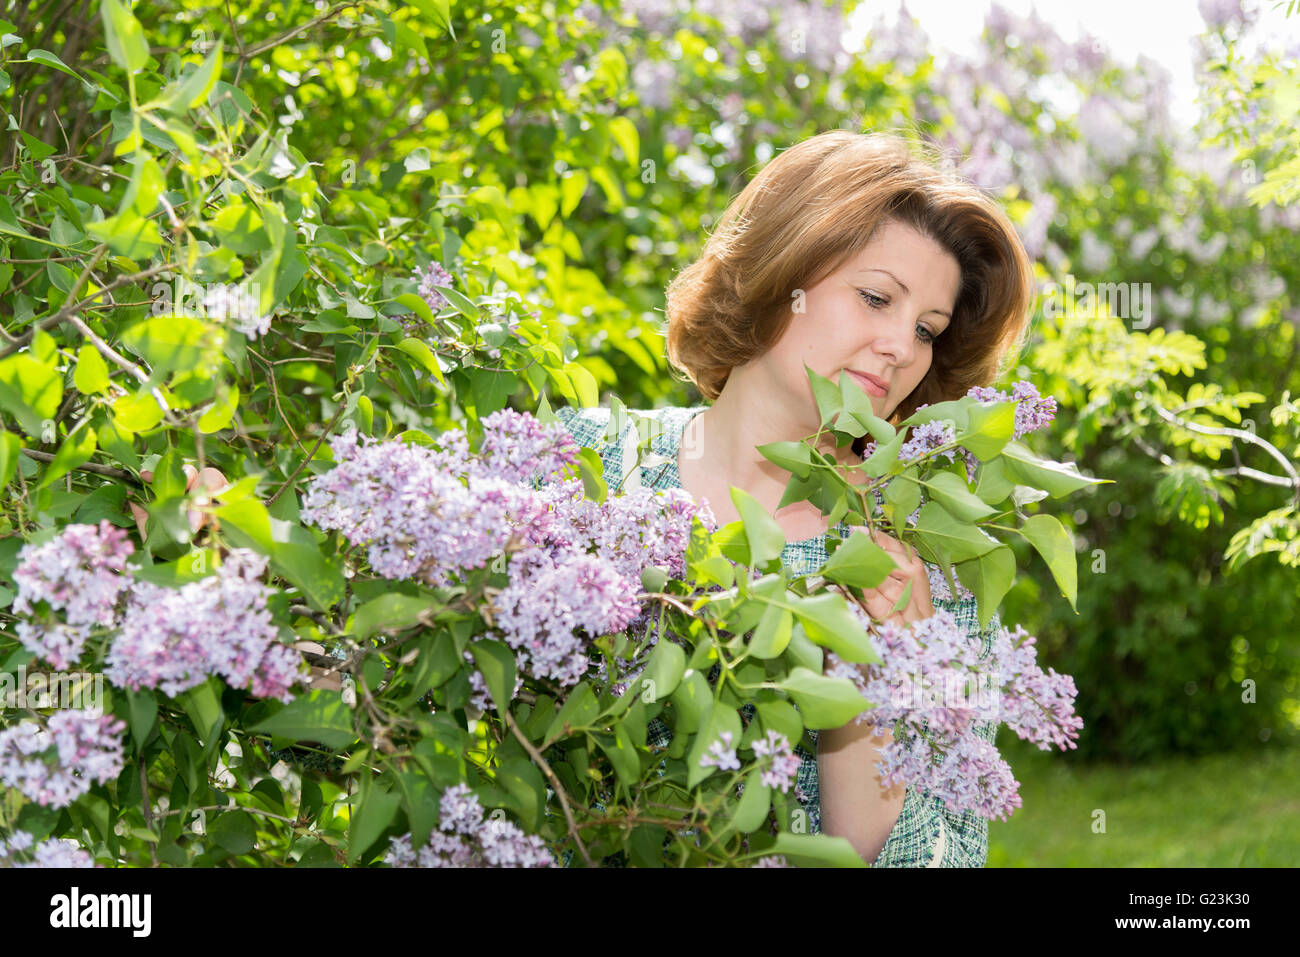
(88, 748)
(174, 639)
(467, 839)
(517, 448)
(721, 754)
(51, 852)
(81, 574)
(930, 689)
(925, 438)
(548, 599)
(784, 766)
(771, 860)
(632, 531)
(417, 520)
(1033, 412)
(432, 276)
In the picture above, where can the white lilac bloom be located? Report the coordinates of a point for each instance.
(174, 639)
(87, 748)
(230, 301)
(80, 575)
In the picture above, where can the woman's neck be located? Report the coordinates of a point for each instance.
(718, 450)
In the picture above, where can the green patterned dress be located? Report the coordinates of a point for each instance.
(926, 834)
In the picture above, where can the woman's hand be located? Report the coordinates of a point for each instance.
(210, 480)
(879, 600)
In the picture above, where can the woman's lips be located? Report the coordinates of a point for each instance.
(868, 385)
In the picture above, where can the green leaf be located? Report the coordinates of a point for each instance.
(883, 458)
(203, 705)
(859, 561)
(992, 485)
(721, 718)
(764, 535)
(29, 391)
(1055, 478)
(772, 635)
(319, 716)
(663, 672)
(824, 702)
(955, 495)
(693, 700)
(828, 621)
(523, 782)
(959, 541)
(391, 612)
(626, 136)
(421, 353)
(1053, 542)
(592, 469)
(219, 415)
(827, 393)
(374, 814)
(126, 42)
(128, 234)
(902, 496)
(991, 426)
(579, 710)
(186, 92)
(497, 665)
(815, 850)
(622, 755)
(989, 577)
(234, 830)
(91, 374)
(794, 457)
(10, 445)
(780, 716)
(755, 802)
(858, 409)
(143, 707)
(74, 451)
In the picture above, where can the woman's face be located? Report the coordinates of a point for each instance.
(877, 315)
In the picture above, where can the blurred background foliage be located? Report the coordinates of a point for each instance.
(570, 158)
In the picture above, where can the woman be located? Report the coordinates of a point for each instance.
(856, 256)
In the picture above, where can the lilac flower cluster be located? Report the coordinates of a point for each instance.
(432, 276)
(418, 520)
(547, 600)
(926, 438)
(436, 512)
(721, 754)
(931, 688)
(1033, 411)
(784, 764)
(174, 639)
(87, 747)
(51, 852)
(632, 531)
(229, 301)
(771, 860)
(80, 575)
(465, 839)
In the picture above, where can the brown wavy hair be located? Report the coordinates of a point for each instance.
(807, 212)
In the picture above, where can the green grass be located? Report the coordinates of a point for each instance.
(1225, 810)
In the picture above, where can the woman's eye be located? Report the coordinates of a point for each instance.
(872, 299)
(924, 334)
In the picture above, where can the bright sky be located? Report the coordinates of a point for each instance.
(1162, 29)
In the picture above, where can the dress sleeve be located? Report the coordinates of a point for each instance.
(927, 833)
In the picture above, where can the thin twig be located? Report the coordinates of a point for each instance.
(555, 783)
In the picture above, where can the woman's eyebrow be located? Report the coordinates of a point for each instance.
(904, 286)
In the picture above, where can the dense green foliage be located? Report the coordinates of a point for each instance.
(563, 162)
